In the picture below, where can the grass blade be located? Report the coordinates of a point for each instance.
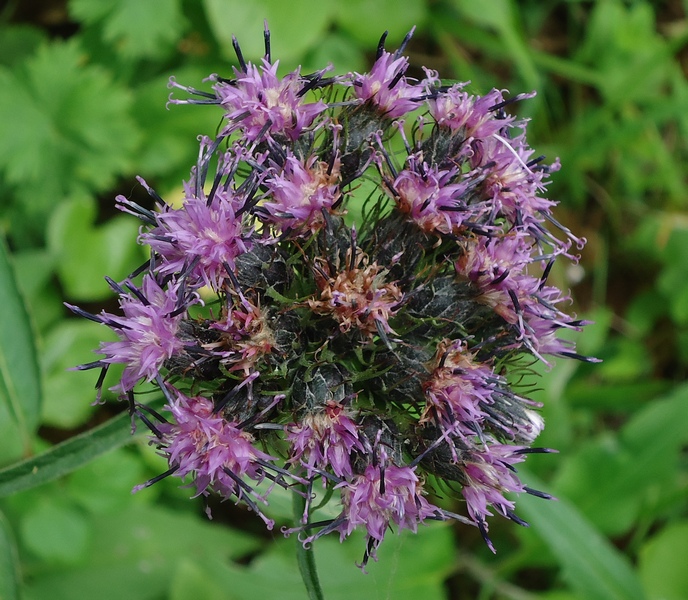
(20, 377)
(67, 456)
(591, 565)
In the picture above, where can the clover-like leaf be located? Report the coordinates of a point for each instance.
(68, 127)
(137, 29)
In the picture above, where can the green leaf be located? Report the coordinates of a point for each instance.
(295, 26)
(17, 42)
(410, 566)
(138, 551)
(590, 564)
(103, 485)
(611, 479)
(20, 378)
(137, 29)
(366, 21)
(69, 343)
(191, 582)
(86, 253)
(69, 128)
(9, 563)
(662, 563)
(55, 532)
(66, 457)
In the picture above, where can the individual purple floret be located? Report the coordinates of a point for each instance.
(471, 117)
(325, 439)
(216, 453)
(386, 87)
(489, 474)
(298, 193)
(257, 102)
(435, 199)
(458, 389)
(148, 330)
(201, 238)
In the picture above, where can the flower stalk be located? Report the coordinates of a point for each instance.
(305, 556)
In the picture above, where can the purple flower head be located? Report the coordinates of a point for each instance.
(200, 239)
(473, 117)
(380, 497)
(215, 452)
(458, 389)
(147, 331)
(324, 440)
(259, 102)
(379, 287)
(489, 475)
(431, 197)
(386, 88)
(299, 192)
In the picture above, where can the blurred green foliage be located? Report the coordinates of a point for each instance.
(82, 111)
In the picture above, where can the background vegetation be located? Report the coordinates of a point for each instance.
(82, 111)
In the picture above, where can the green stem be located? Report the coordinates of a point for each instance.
(306, 557)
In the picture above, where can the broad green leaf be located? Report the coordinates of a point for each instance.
(69, 343)
(137, 29)
(295, 26)
(35, 270)
(86, 253)
(191, 582)
(136, 555)
(590, 564)
(612, 478)
(366, 21)
(662, 563)
(9, 563)
(103, 485)
(69, 126)
(20, 378)
(410, 566)
(55, 532)
(66, 457)
(18, 41)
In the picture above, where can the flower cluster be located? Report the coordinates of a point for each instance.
(299, 346)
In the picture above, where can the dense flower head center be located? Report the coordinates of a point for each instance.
(245, 337)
